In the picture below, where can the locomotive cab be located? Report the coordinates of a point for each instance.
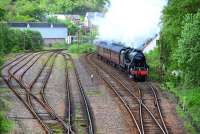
(137, 67)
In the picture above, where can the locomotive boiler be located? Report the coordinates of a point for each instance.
(128, 59)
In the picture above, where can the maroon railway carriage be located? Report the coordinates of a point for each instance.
(131, 60)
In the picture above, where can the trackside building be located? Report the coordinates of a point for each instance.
(51, 33)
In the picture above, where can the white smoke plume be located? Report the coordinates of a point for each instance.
(131, 21)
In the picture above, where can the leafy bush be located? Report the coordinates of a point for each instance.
(188, 101)
(83, 48)
(13, 40)
(188, 50)
(1, 60)
(172, 26)
(5, 124)
(33, 40)
(153, 61)
(59, 46)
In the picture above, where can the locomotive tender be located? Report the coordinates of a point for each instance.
(130, 60)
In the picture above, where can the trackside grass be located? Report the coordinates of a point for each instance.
(82, 48)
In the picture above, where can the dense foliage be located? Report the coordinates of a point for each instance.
(83, 48)
(173, 24)
(13, 40)
(36, 10)
(75, 6)
(188, 52)
(5, 124)
(152, 58)
(179, 46)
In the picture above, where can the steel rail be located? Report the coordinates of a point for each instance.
(24, 64)
(158, 108)
(11, 75)
(18, 62)
(21, 56)
(67, 85)
(91, 129)
(47, 130)
(26, 105)
(139, 101)
(118, 95)
(4, 66)
(45, 104)
(42, 93)
(140, 109)
(7, 81)
(22, 75)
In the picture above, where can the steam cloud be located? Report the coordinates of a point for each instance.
(131, 21)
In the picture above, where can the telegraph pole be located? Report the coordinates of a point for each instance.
(79, 38)
(161, 59)
(24, 41)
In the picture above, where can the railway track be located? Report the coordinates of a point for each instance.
(8, 82)
(141, 115)
(42, 101)
(86, 105)
(68, 96)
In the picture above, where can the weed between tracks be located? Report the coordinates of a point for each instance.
(42, 60)
(56, 46)
(4, 90)
(93, 93)
(60, 63)
(56, 128)
(79, 120)
(5, 105)
(75, 56)
(70, 66)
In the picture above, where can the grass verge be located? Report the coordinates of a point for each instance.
(153, 61)
(82, 48)
(56, 46)
(188, 105)
(5, 124)
(188, 97)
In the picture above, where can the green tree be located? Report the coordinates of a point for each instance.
(2, 14)
(36, 10)
(173, 15)
(13, 40)
(172, 20)
(72, 28)
(188, 51)
(33, 40)
(4, 48)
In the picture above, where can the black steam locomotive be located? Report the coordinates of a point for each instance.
(131, 60)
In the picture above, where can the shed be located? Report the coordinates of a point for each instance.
(51, 33)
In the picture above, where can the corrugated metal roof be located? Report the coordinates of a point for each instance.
(35, 24)
(17, 24)
(47, 30)
(39, 24)
(50, 32)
